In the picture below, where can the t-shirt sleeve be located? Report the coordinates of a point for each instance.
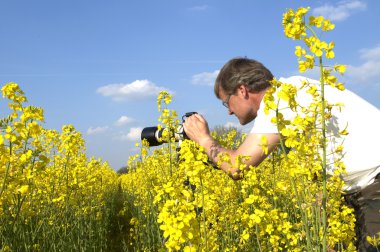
(262, 123)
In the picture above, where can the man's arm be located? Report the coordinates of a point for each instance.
(196, 129)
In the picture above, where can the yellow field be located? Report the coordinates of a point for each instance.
(54, 198)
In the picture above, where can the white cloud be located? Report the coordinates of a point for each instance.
(341, 11)
(96, 130)
(205, 78)
(367, 73)
(123, 120)
(370, 54)
(137, 90)
(133, 135)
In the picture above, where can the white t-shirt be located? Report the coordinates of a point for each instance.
(361, 146)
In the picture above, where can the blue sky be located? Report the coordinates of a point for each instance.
(98, 65)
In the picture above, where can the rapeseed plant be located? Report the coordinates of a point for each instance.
(52, 198)
(286, 203)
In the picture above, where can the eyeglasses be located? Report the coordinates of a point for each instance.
(225, 103)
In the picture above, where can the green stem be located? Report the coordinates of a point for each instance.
(303, 215)
(204, 211)
(19, 205)
(170, 157)
(6, 171)
(257, 237)
(324, 154)
(278, 130)
(324, 161)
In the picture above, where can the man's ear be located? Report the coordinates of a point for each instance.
(243, 89)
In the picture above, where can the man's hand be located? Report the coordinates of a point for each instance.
(196, 128)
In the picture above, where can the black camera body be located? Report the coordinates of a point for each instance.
(154, 135)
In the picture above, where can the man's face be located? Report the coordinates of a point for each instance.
(240, 104)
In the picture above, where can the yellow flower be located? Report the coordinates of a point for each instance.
(340, 68)
(269, 228)
(316, 21)
(264, 144)
(327, 25)
(23, 189)
(189, 249)
(299, 51)
(329, 52)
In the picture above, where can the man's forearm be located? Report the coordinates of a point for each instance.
(213, 150)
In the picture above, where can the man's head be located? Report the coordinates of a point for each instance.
(245, 71)
(247, 79)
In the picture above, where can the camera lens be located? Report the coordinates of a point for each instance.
(151, 134)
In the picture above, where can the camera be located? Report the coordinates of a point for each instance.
(154, 135)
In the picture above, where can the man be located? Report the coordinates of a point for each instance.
(242, 84)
